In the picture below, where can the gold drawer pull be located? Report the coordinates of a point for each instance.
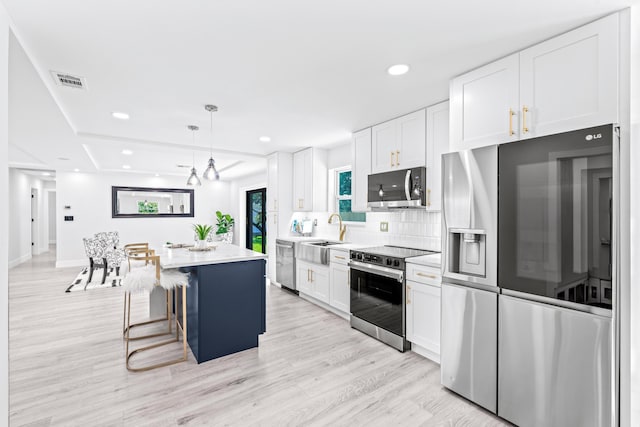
(339, 257)
(408, 291)
(428, 197)
(430, 276)
(392, 159)
(511, 114)
(525, 110)
(397, 157)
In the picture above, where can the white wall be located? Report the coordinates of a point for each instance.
(20, 185)
(51, 207)
(339, 156)
(89, 196)
(239, 189)
(4, 216)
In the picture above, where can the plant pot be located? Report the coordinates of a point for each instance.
(201, 244)
(226, 237)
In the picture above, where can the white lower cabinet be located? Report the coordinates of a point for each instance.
(313, 280)
(339, 279)
(423, 318)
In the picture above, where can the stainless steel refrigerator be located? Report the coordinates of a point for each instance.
(556, 271)
(529, 277)
(469, 311)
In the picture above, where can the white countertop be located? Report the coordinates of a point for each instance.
(223, 253)
(301, 238)
(431, 260)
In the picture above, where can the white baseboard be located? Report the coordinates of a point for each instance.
(72, 263)
(20, 260)
(431, 355)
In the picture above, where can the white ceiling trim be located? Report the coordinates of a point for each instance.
(172, 145)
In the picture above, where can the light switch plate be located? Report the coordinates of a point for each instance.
(384, 226)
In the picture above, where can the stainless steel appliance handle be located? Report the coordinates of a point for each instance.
(407, 181)
(279, 245)
(381, 271)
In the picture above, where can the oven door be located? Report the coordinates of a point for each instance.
(377, 296)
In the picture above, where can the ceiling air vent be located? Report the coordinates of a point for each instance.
(64, 79)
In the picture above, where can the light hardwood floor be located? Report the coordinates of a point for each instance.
(66, 357)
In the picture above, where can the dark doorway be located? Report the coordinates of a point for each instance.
(256, 220)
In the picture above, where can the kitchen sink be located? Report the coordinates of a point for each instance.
(316, 252)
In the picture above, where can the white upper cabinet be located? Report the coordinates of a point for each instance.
(484, 105)
(571, 81)
(437, 145)
(310, 180)
(360, 169)
(399, 143)
(568, 82)
(279, 170)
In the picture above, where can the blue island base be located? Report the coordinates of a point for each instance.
(225, 308)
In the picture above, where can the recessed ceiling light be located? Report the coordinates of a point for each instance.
(76, 170)
(126, 167)
(46, 174)
(157, 174)
(120, 115)
(398, 69)
(127, 152)
(265, 139)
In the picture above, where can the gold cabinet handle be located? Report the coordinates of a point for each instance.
(430, 276)
(511, 114)
(308, 275)
(300, 203)
(275, 219)
(397, 157)
(339, 257)
(525, 110)
(408, 292)
(392, 159)
(428, 197)
(311, 271)
(275, 204)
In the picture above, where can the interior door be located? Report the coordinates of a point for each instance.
(256, 239)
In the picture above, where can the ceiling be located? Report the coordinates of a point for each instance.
(303, 73)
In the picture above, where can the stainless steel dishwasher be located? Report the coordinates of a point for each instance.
(286, 264)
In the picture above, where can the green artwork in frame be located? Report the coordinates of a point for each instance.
(145, 207)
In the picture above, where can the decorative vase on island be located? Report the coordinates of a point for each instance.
(201, 244)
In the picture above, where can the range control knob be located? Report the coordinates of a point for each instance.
(396, 263)
(389, 261)
(353, 255)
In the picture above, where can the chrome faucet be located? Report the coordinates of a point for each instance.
(343, 228)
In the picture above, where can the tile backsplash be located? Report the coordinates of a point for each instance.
(407, 227)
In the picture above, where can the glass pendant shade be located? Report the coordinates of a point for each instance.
(193, 178)
(211, 173)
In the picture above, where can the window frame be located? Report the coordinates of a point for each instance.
(337, 197)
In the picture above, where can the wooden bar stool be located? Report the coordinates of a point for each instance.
(145, 279)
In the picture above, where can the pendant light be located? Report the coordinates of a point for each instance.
(211, 172)
(193, 178)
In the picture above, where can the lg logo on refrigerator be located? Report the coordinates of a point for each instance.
(592, 137)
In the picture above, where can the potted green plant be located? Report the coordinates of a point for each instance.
(202, 231)
(224, 226)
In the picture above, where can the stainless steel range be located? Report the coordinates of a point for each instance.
(378, 292)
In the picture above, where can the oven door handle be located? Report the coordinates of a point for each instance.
(398, 275)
